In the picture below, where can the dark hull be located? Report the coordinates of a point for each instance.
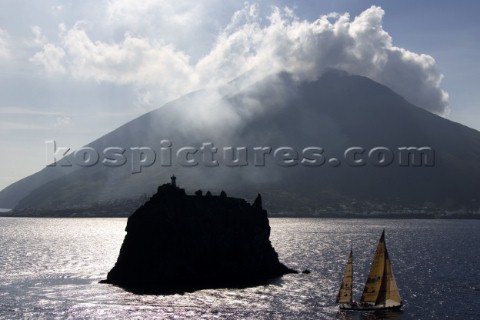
(358, 307)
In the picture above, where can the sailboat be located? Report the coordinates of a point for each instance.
(380, 292)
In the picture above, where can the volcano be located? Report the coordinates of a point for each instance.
(312, 134)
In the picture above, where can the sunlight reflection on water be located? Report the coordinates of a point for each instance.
(50, 268)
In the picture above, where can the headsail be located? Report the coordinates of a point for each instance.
(389, 294)
(375, 276)
(345, 293)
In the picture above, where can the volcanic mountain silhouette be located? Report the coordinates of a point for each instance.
(335, 112)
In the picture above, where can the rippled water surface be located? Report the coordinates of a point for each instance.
(50, 268)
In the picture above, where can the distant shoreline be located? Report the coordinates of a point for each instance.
(393, 216)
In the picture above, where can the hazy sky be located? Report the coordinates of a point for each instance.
(72, 71)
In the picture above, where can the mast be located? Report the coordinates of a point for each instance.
(376, 274)
(345, 292)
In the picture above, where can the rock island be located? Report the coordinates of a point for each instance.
(177, 242)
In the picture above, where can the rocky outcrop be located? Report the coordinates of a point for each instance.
(177, 242)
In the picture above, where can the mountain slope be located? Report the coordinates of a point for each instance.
(335, 112)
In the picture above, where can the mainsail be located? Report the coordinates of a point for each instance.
(345, 293)
(381, 288)
(374, 280)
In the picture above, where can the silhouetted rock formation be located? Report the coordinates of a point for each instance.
(177, 242)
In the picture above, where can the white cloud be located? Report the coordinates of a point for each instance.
(159, 70)
(306, 49)
(51, 58)
(63, 121)
(4, 45)
(190, 26)
(152, 67)
(40, 40)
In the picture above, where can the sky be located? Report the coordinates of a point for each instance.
(72, 71)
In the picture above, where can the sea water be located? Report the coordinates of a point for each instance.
(50, 269)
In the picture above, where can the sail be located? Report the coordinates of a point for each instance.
(375, 276)
(345, 293)
(389, 294)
